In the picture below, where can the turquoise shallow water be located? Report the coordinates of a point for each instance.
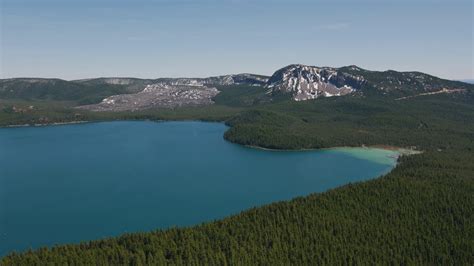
(66, 184)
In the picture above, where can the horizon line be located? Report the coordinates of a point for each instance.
(220, 75)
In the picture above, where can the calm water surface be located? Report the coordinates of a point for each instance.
(65, 184)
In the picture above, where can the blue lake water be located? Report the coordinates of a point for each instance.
(72, 183)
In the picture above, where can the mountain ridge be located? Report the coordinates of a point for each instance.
(296, 81)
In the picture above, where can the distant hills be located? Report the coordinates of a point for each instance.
(248, 79)
(59, 90)
(90, 91)
(299, 82)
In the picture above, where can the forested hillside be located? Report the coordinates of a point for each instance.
(77, 93)
(421, 213)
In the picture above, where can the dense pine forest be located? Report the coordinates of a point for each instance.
(420, 213)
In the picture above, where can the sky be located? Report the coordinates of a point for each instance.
(74, 39)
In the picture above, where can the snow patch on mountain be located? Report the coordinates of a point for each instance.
(310, 82)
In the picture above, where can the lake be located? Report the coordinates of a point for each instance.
(72, 183)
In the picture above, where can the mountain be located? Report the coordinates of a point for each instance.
(304, 82)
(309, 82)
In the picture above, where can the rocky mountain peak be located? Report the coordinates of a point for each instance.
(310, 82)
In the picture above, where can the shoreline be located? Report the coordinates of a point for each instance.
(402, 151)
(107, 120)
(46, 124)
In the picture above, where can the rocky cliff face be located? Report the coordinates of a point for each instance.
(309, 82)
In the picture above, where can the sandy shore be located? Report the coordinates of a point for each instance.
(402, 151)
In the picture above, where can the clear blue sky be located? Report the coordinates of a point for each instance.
(73, 39)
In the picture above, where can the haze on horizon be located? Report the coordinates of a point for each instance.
(73, 39)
